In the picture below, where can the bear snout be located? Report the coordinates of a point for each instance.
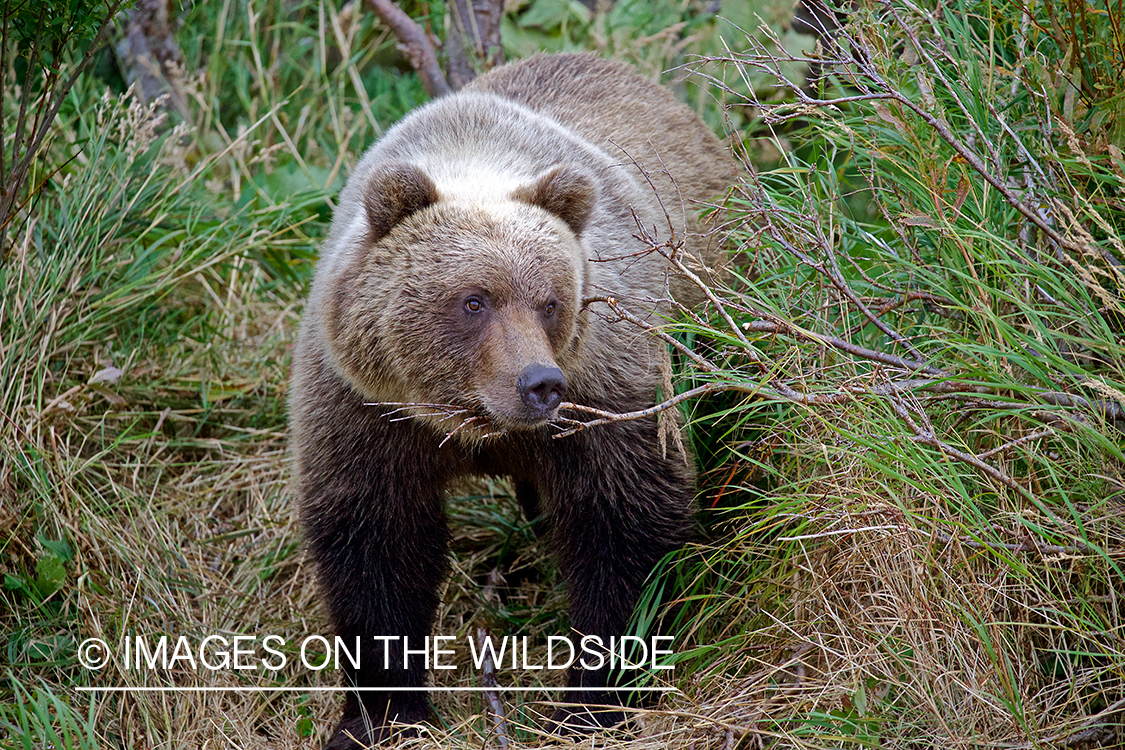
(542, 389)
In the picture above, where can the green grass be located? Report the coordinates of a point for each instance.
(930, 545)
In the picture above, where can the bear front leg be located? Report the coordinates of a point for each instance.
(379, 574)
(617, 506)
(375, 524)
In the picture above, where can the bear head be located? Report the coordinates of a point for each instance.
(465, 303)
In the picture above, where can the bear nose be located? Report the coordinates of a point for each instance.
(542, 389)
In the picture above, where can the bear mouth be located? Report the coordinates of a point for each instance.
(480, 426)
(469, 423)
(496, 424)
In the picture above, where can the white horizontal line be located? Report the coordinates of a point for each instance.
(507, 689)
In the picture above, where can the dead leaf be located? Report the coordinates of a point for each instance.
(962, 194)
(105, 375)
(919, 220)
(887, 116)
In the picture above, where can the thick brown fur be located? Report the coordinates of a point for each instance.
(455, 273)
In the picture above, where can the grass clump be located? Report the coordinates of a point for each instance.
(919, 535)
(147, 299)
(122, 298)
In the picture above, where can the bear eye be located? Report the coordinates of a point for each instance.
(474, 304)
(549, 309)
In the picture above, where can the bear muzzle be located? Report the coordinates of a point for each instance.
(541, 388)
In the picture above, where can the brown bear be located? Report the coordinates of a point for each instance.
(456, 278)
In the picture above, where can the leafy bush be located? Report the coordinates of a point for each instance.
(37, 41)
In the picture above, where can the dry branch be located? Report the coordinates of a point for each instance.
(861, 73)
(488, 671)
(1029, 544)
(415, 44)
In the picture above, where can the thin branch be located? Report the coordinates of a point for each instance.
(488, 668)
(415, 44)
(942, 129)
(673, 252)
(807, 104)
(449, 435)
(1030, 544)
(891, 305)
(679, 346)
(837, 279)
(777, 325)
(783, 392)
(1091, 722)
(607, 417)
(1018, 441)
(780, 392)
(927, 437)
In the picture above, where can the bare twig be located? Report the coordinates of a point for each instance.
(837, 279)
(906, 298)
(1092, 722)
(488, 679)
(620, 311)
(782, 392)
(415, 44)
(806, 104)
(673, 258)
(488, 668)
(1018, 441)
(777, 325)
(1029, 544)
(449, 435)
(606, 417)
(673, 251)
(926, 436)
(942, 129)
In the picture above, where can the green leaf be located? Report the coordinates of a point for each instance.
(551, 14)
(50, 573)
(58, 547)
(15, 583)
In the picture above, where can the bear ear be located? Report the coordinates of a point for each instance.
(394, 191)
(565, 190)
